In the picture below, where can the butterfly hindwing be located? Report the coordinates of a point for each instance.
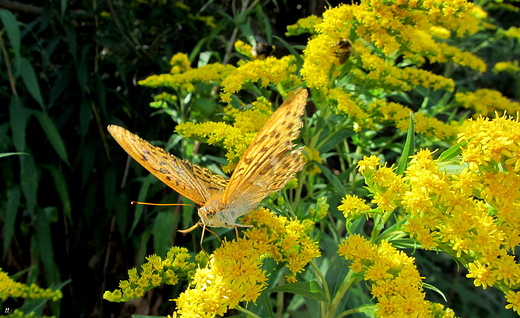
(192, 181)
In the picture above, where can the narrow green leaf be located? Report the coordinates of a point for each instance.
(44, 246)
(409, 147)
(143, 194)
(62, 188)
(59, 86)
(332, 141)
(52, 134)
(29, 180)
(85, 117)
(7, 154)
(310, 290)
(10, 213)
(435, 289)
(121, 211)
(336, 183)
(12, 30)
(291, 49)
(81, 68)
(451, 153)
(162, 232)
(18, 116)
(31, 82)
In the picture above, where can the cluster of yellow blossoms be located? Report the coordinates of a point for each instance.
(234, 272)
(469, 209)
(11, 289)
(394, 279)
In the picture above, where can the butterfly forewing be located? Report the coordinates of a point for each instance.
(192, 181)
(270, 160)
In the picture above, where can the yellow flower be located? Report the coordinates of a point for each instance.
(509, 67)
(486, 102)
(206, 74)
(264, 72)
(394, 279)
(244, 49)
(304, 25)
(353, 206)
(513, 299)
(155, 272)
(234, 273)
(513, 33)
(10, 288)
(180, 63)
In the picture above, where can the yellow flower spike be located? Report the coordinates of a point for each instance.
(353, 206)
(395, 281)
(206, 74)
(244, 49)
(180, 63)
(513, 299)
(486, 102)
(304, 25)
(265, 72)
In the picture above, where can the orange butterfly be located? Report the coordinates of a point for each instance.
(266, 166)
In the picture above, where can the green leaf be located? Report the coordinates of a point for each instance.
(143, 194)
(10, 212)
(7, 154)
(62, 188)
(52, 134)
(30, 80)
(291, 49)
(310, 290)
(435, 289)
(18, 116)
(453, 152)
(338, 137)
(336, 183)
(29, 180)
(12, 30)
(162, 232)
(44, 246)
(409, 147)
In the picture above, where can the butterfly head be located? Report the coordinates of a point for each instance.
(214, 217)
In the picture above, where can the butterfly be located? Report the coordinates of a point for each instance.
(269, 162)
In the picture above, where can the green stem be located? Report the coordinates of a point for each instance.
(350, 280)
(247, 312)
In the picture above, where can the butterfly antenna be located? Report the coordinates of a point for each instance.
(160, 204)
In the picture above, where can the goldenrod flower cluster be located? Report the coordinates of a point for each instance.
(486, 102)
(154, 272)
(393, 277)
(234, 273)
(10, 288)
(244, 49)
(513, 33)
(271, 71)
(184, 80)
(17, 313)
(471, 213)
(510, 67)
(387, 29)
